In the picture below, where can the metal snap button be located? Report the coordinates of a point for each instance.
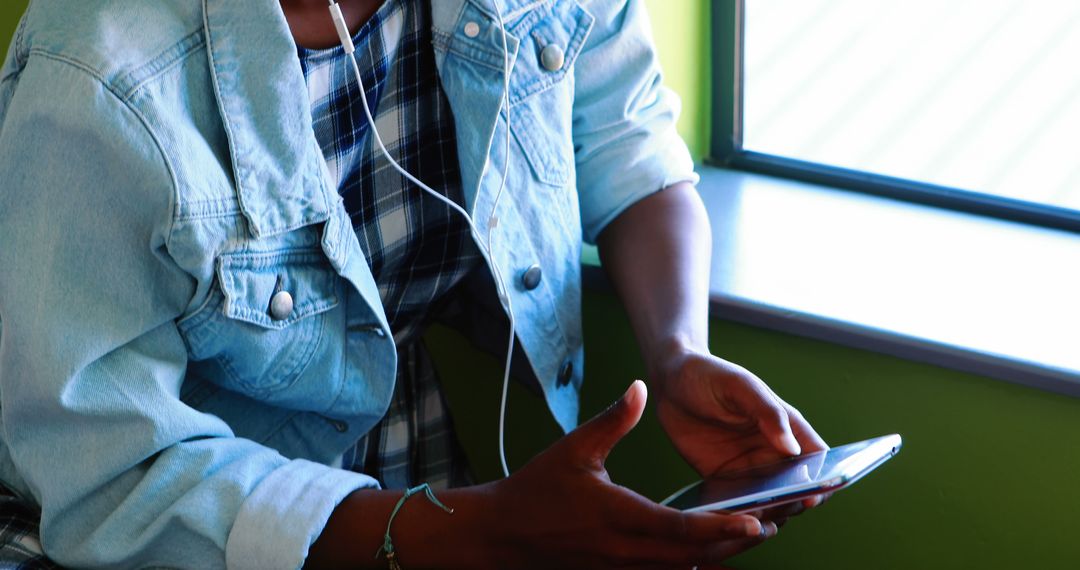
(551, 57)
(531, 278)
(472, 29)
(281, 305)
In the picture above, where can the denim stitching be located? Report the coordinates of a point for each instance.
(169, 169)
(165, 61)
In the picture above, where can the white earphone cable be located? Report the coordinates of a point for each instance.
(483, 245)
(493, 222)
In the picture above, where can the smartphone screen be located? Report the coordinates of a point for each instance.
(787, 480)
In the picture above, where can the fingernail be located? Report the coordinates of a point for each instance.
(791, 444)
(630, 390)
(768, 530)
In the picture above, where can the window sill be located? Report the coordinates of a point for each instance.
(995, 298)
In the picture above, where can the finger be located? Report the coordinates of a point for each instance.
(786, 510)
(817, 500)
(723, 550)
(648, 552)
(768, 412)
(783, 512)
(651, 552)
(807, 437)
(592, 441)
(643, 517)
(716, 526)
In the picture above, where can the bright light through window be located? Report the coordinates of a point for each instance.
(982, 95)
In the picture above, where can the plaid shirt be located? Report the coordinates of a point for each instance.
(417, 247)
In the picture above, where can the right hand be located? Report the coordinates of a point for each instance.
(562, 511)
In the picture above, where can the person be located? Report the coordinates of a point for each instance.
(214, 285)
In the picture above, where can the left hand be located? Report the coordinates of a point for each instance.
(722, 417)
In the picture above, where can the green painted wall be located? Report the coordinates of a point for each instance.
(681, 28)
(986, 479)
(9, 17)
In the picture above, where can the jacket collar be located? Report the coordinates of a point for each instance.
(277, 164)
(445, 13)
(264, 106)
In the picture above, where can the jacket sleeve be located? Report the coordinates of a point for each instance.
(91, 361)
(625, 142)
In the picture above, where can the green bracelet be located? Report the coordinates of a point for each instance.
(388, 546)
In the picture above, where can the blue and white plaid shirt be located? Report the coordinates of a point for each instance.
(416, 246)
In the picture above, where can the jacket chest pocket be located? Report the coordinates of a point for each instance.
(542, 86)
(265, 321)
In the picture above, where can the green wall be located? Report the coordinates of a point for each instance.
(986, 478)
(987, 475)
(681, 28)
(9, 17)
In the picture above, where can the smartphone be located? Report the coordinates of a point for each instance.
(786, 481)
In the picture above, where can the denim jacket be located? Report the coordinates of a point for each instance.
(161, 183)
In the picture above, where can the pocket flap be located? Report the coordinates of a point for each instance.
(249, 282)
(564, 25)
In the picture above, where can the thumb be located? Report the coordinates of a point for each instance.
(593, 440)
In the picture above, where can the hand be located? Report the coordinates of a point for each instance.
(562, 510)
(722, 417)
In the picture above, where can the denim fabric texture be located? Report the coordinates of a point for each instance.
(162, 183)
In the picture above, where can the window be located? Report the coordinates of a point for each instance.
(970, 104)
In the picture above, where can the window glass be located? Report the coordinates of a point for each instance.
(982, 95)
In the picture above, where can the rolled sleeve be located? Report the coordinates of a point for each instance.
(284, 515)
(626, 145)
(92, 363)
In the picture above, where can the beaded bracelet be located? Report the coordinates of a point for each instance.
(388, 545)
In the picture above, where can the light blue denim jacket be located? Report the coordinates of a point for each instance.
(161, 182)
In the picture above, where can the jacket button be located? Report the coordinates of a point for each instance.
(281, 305)
(472, 29)
(551, 57)
(566, 373)
(531, 278)
(340, 426)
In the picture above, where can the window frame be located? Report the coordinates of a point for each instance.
(725, 148)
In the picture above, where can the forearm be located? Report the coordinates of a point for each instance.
(424, 536)
(657, 255)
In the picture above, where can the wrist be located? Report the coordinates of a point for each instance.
(462, 540)
(667, 356)
(424, 536)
